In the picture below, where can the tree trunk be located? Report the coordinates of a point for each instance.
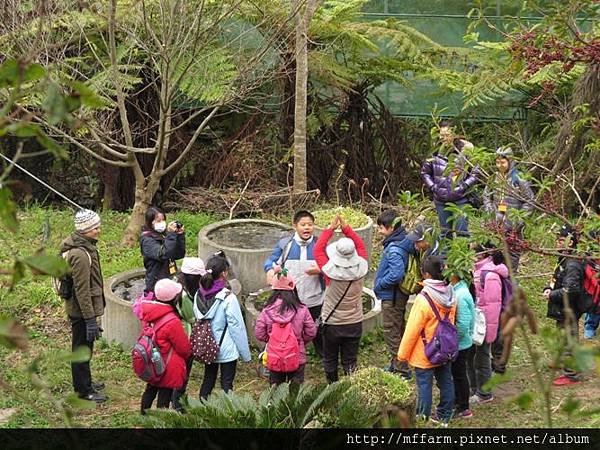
(143, 199)
(303, 19)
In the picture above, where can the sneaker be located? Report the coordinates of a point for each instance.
(437, 421)
(97, 397)
(565, 381)
(98, 386)
(478, 400)
(466, 414)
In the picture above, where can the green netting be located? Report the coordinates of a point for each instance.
(446, 22)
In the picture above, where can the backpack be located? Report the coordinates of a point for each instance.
(148, 363)
(480, 327)
(591, 285)
(204, 346)
(507, 288)
(63, 286)
(284, 352)
(410, 284)
(443, 347)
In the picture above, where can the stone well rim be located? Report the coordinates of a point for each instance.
(120, 278)
(205, 231)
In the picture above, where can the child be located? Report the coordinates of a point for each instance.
(422, 320)
(295, 253)
(160, 246)
(283, 307)
(192, 270)
(489, 300)
(218, 304)
(397, 249)
(465, 322)
(345, 265)
(170, 338)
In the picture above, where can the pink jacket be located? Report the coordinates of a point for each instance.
(302, 323)
(489, 296)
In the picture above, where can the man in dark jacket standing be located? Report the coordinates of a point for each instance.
(449, 186)
(567, 284)
(87, 302)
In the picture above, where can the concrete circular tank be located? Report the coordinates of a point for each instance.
(247, 243)
(119, 323)
(366, 233)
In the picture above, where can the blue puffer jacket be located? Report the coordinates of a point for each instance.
(441, 184)
(226, 310)
(465, 315)
(394, 260)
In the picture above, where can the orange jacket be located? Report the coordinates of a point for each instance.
(421, 317)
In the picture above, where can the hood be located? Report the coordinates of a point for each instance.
(408, 246)
(500, 269)
(206, 308)
(479, 264)
(78, 240)
(440, 292)
(154, 310)
(398, 235)
(273, 312)
(462, 284)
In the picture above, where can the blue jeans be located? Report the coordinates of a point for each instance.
(592, 322)
(443, 378)
(460, 224)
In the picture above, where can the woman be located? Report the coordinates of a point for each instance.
(344, 264)
(160, 245)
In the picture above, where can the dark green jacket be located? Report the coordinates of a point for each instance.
(88, 286)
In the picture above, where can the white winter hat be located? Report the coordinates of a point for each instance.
(192, 266)
(344, 263)
(86, 220)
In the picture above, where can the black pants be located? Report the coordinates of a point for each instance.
(461, 380)
(574, 329)
(81, 373)
(210, 377)
(178, 393)
(164, 397)
(282, 377)
(497, 349)
(315, 312)
(340, 340)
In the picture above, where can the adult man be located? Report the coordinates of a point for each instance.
(86, 303)
(508, 192)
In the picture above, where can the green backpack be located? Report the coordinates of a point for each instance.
(412, 276)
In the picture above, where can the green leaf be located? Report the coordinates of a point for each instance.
(9, 72)
(8, 210)
(87, 96)
(12, 334)
(23, 129)
(524, 400)
(79, 403)
(51, 145)
(33, 72)
(43, 264)
(570, 405)
(81, 354)
(18, 273)
(496, 380)
(54, 104)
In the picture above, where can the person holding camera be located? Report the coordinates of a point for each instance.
(161, 245)
(84, 298)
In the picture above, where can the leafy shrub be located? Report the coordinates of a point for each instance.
(354, 218)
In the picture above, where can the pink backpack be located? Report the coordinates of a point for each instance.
(283, 353)
(148, 363)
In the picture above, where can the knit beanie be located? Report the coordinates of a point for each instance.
(86, 220)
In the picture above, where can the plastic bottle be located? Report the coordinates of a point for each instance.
(157, 361)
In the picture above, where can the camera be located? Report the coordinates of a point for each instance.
(178, 225)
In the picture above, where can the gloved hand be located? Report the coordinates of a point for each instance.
(92, 330)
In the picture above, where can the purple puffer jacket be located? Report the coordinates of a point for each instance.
(302, 323)
(445, 190)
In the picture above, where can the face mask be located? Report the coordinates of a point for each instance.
(160, 226)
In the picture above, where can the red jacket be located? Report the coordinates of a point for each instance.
(170, 335)
(320, 250)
